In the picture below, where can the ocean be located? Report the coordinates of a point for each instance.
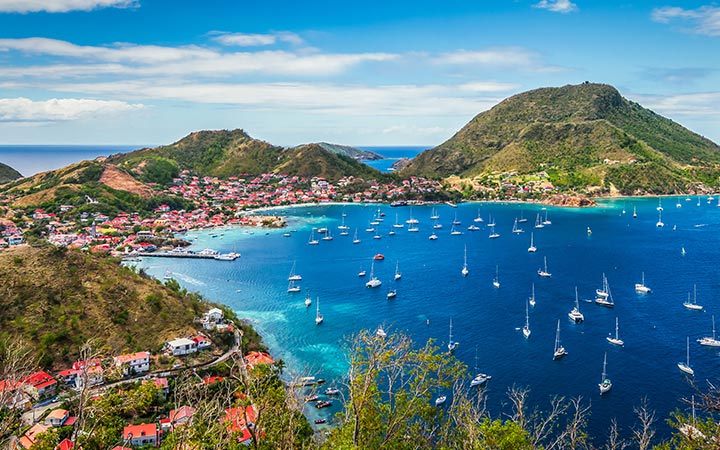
(392, 155)
(432, 291)
(32, 159)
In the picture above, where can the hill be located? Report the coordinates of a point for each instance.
(585, 137)
(7, 173)
(56, 299)
(352, 152)
(225, 153)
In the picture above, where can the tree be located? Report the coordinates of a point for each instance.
(16, 363)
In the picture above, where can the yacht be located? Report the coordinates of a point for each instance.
(575, 315)
(531, 300)
(380, 332)
(308, 301)
(455, 232)
(516, 229)
(538, 222)
(526, 329)
(452, 345)
(559, 351)
(355, 238)
(543, 272)
(615, 340)
(481, 378)
(433, 237)
(435, 215)
(604, 297)
(294, 276)
(710, 341)
(318, 317)
(496, 280)
(312, 240)
(392, 293)
(693, 305)
(464, 270)
(532, 248)
(292, 287)
(640, 287)
(374, 281)
(440, 400)
(659, 223)
(398, 275)
(478, 219)
(398, 224)
(684, 366)
(605, 384)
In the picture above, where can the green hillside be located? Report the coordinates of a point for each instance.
(7, 173)
(352, 152)
(225, 153)
(588, 133)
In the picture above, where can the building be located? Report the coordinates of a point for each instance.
(133, 363)
(181, 346)
(29, 438)
(57, 417)
(39, 384)
(142, 434)
(241, 421)
(177, 417)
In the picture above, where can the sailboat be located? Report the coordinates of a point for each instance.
(478, 219)
(456, 221)
(522, 218)
(455, 232)
(294, 276)
(434, 215)
(312, 240)
(640, 287)
(433, 237)
(343, 226)
(398, 275)
(575, 315)
(710, 341)
(685, 366)
(546, 221)
(693, 304)
(531, 300)
(604, 297)
(373, 282)
(318, 316)
(437, 226)
(516, 229)
(493, 234)
(538, 222)
(392, 293)
(532, 248)
(559, 351)
(678, 204)
(544, 272)
(496, 280)
(605, 383)
(526, 329)
(452, 345)
(355, 238)
(615, 340)
(690, 431)
(660, 223)
(292, 287)
(380, 332)
(411, 220)
(659, 207)
(308, 301)
(480, 378)
(398, 224)
(634, 212)
(464, 270)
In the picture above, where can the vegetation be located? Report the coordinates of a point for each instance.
(588, 133)
(7, 173)
(352, 152)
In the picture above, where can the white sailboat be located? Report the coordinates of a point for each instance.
(343, 226)
(411, 220)
(318, 317)
(496, 280)
(292, 287)
(605, 384)
(355, 238)
(634, 212)
(659, 207)
(532, 248)
(660, 223)
(398, 275)
(710, 341)
(544, 272)
(493, 234)
(559, 351)
(455, 232)
(433, 237)
(464, 270)
(380, 332)
(615, 340)
(531, 300)
(478, 219)
(308, 301)
(480, 378)
(452, 345)
(693, 305)
(294, 276)
(603, 296)
(516, 229)
(398, 224)
(526, 329)
(362, 272)
(538, 222)
(312, 240)
(546, 221)
(522, 218)
(437, 226)
(685, 366)
(434, 215)
(640, 287)
(456, 221)
(575, 315)
(392, 293)
(374, 281)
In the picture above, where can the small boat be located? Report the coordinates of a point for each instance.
(522, 218)
(493, 234)
(286, 234)
(685, 366)
(480, 378)
(659, 207)
(322, 230)
(433, 237)
(374, 281)
(323, 404)
(343, 226)
(693, 305)
(710, 341)
(434, 215)
(615, 340)
(380, 332)
(465, 270)
(575, 315)
(640, 287)
(589, 231)
(411, 220)
(559, 350)
(478, 219)
(318, 317)
(293, 276)
(312, 240)
(312, 398)
(398, 275)
(292, 287)
(391, 233)
(456, 221)
(437, 226)
(526, 329)
(682, 251)
(605, 384)
(604, 297)
(370, 229)
(546, 221)
(496, 280)
(413, 229)
(473, 228)
(678, 204)
(355, 238)
(320, 421)
(362, 273)
(659, 223)
(455, 232)
(634, 212)
(168, 275)
(328, 236)
(532, 248)
(379, 257)
(440, 400)
(544, 272)
(516, 229)
(308, 301)
(377, 236)
(398, 224)
(531, 300)
(538, 222)
(332, 391)
(452, 345)
(392, 293)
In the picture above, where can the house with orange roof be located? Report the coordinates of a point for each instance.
(177, 417)
(133, 363)
(142, 434)
(253, 359)
(240, 421)
(57, 417)
(66, 444)
(31, 436)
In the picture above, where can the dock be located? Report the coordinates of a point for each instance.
(217, 256)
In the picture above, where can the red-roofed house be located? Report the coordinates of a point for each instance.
(40, 383)
(28, 440)
(12, 395)
(57, 417)
(66, 444)
(133, 362)
(253, 359)
(177, 417)
(142, 434)
(239, 420)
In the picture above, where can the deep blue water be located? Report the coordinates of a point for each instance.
(392, 154)
(32, 159)
(653, 326)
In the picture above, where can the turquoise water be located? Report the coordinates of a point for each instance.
(432, 291)
(392, 155)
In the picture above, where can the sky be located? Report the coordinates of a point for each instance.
(148, 72)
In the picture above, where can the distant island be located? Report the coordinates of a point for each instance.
(7, 173)
(352, 152)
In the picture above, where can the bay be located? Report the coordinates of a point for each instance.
(432, 291)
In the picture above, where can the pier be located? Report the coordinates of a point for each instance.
(217, 256)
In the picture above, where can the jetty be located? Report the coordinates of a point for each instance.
(232, 256)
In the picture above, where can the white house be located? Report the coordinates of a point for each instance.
(181, 346)
(133, 362)
(141, 435)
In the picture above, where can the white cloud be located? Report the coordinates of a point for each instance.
(25, 110)
(251, 40)
(704, 20)
(511, 58)
(61, 6)
(561, 6)
(701, 104)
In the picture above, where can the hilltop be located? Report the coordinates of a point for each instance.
(225, 153)
(7, 173)
(55, 299)
(585, 137)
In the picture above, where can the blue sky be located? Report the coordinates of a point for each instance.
(149, 72)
